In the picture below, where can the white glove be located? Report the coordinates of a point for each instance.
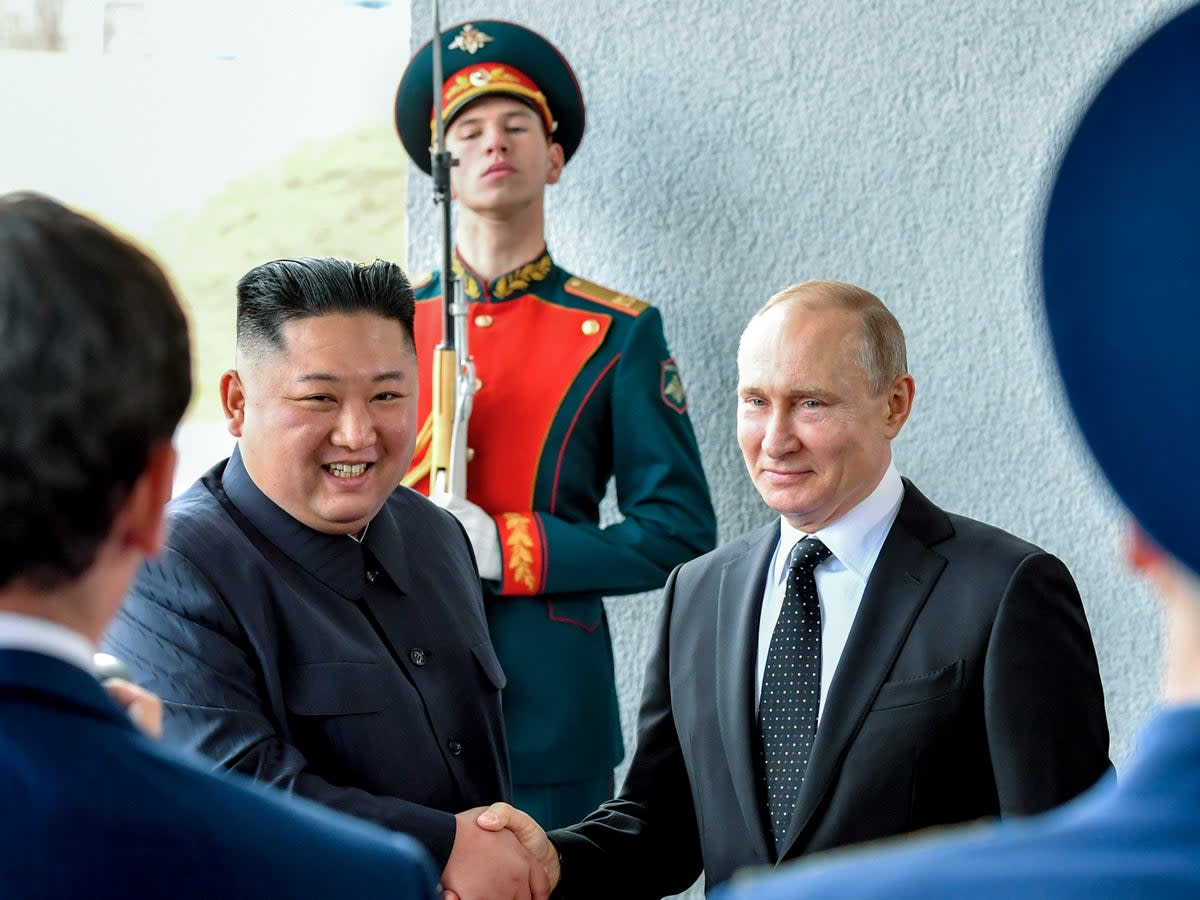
(485, 538)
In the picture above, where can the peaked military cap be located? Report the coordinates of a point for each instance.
(482, 58)
(1121, 278)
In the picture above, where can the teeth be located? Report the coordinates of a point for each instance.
(341, 470)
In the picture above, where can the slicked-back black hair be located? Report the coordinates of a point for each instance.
(277, 292)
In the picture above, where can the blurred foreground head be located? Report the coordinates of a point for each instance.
(1121, 270)
(95, 359)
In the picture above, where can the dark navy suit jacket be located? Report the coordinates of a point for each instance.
(360, 676)
(91, 808)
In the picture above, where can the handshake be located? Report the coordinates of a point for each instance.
(500, 853)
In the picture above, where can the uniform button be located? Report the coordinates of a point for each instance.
(372, 574)
(590, 327)
(483, 320)
(417, 655)
(479, 384)
(454, 745)
(470, 453)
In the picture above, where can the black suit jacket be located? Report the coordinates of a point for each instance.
(968, 687)
(361, 676)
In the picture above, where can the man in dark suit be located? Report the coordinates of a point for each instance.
(953, 676)
(1120, 224)
(97, 363)
(310, 624)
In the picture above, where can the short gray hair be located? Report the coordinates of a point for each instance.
(881, 352)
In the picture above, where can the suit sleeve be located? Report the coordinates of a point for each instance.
(661, 491)
(181, 641)
(645, 843)
(1043, 699)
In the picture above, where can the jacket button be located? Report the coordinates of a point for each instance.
(417, 655)
(483, 320)
(454, 745)
(590, 327)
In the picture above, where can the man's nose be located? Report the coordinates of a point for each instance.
(496, 137)
(779, 437)
(355, 427)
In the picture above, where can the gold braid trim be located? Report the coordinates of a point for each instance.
(509, 284)
(589, 290)
(520, 549)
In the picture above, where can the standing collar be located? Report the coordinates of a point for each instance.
(856, 538)
(509, 285)
(334, 559)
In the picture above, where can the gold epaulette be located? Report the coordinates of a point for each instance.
(418, 280)
(589, 290)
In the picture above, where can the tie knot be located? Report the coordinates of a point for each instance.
(808, 554)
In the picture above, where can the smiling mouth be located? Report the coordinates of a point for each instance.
(346, 470)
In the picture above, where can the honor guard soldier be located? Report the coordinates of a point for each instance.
(573, 385)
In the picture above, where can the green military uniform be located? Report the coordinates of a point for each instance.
(575, 386)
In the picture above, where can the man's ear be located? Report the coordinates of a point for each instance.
(899, 403)
(557, 161)
(233, 401)
(141, 521)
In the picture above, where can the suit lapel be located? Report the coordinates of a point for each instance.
(903, 576)
(739, 602)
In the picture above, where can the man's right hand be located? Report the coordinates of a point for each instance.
(533, 838)
(492, 864)
(144, 709)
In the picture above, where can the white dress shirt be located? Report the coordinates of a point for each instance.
(18, 632)
(854, 542)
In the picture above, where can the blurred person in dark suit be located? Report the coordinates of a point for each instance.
(96, 358)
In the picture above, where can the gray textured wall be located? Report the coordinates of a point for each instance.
(733, 149)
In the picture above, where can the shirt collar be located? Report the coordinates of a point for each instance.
(19, 632)
(507, 286)
(335, 559)
(856, 538)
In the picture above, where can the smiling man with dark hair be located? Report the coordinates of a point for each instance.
(312, 624)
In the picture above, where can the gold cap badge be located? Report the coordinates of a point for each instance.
(469, 39)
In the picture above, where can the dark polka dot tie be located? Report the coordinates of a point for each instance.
(791, 688)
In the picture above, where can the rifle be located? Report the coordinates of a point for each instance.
(453, 368)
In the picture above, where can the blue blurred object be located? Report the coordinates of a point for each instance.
(1121, 275)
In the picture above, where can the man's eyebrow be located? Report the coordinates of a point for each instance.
(796, 393)
(468, 119)
(391, 375)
